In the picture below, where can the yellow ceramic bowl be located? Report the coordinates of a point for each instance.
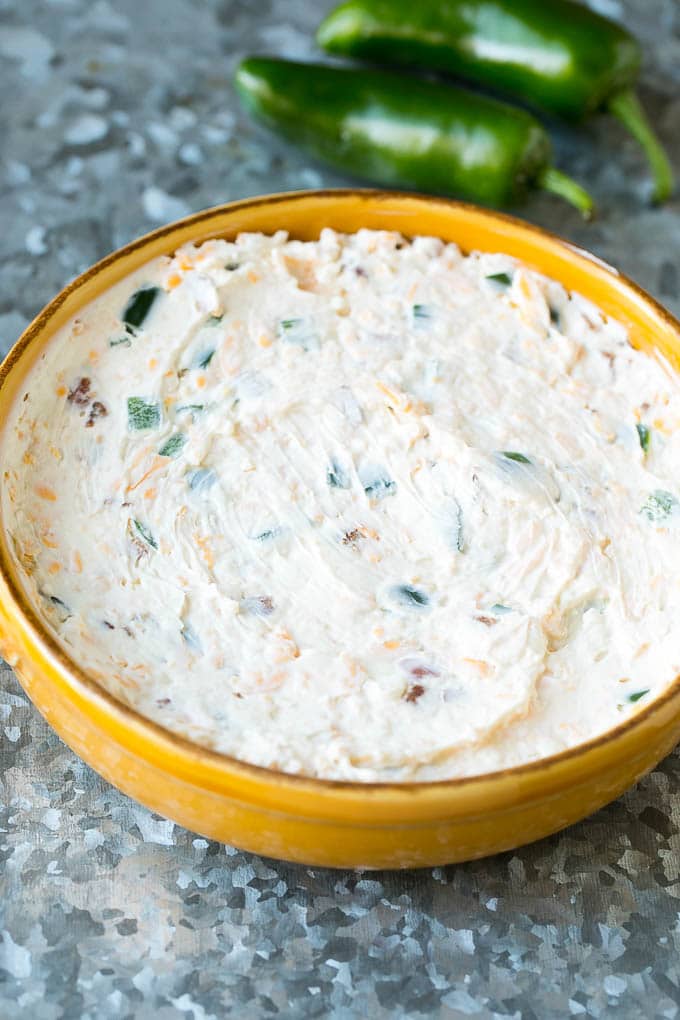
(381, 825)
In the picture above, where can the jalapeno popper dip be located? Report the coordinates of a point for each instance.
(360, 508)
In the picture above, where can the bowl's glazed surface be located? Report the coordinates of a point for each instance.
(296, 818)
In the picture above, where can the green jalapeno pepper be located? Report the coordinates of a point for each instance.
(398, 130)
(555, 54)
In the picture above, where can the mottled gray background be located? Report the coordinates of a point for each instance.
(115, 117)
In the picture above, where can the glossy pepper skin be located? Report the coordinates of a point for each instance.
(393, 129)
(557, 55)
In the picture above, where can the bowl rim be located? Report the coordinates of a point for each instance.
(229, 766)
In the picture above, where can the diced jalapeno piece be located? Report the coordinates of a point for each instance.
(376, 482)
(660, 505)
(502, 279)
(173, 445)
(138, 307)
(142, 530)
(204, 358)
(519, 458)
(298, 332)
(410, 596)
(337, 477)
(143, 414)
(201, 479)
(643, 436)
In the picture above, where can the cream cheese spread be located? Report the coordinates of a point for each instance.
(361, 508)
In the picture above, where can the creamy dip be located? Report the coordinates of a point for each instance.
(358, 508)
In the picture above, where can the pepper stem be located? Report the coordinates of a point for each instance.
(626, 106)
(560, 184)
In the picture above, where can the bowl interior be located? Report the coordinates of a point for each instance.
(303, 215)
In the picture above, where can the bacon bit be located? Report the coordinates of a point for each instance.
(45, 492)
(414, 692)
(423, 671)
(77, 562)
(260, 605)
(54, 567)
(61, 391)
(351, 536)
(161, 702)
(140, 547)
(173, 281)
(79, 395)
(488, 621)
(96, 411)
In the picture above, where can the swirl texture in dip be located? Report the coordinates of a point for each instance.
(360, 508)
